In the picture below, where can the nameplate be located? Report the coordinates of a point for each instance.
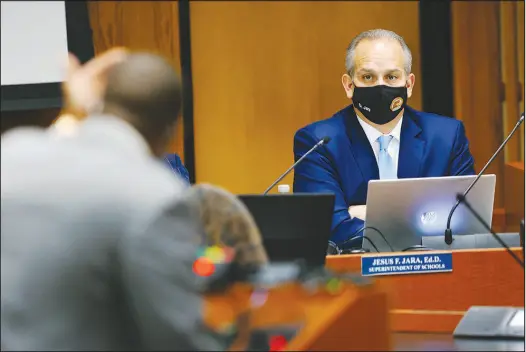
(399, 264)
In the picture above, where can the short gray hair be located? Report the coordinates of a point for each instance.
(372, 35)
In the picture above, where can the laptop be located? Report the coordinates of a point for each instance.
(406, 210)
(293, 226)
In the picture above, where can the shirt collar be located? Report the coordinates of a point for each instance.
(373, 134)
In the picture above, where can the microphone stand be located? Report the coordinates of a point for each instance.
(325, 140)
(449, 233)
(284, 174)
(462, 199)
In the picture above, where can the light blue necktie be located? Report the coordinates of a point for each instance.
(385, 162)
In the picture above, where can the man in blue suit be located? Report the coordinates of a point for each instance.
(378, 136)
(174, 162)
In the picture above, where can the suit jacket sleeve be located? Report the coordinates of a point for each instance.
(462, 162)
(316, 174)
(161, 289)
(176, 164)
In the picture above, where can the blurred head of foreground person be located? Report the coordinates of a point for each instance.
(98, 238)
(140, 88)
(229, 230)
(145, 91)
(150, 103)
(228, 223)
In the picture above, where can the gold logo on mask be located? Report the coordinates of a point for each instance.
(397, 104)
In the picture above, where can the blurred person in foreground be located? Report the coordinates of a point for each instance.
(98, 240)
(67, 123)
(378, 136)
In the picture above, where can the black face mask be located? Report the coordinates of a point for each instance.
(380, 104)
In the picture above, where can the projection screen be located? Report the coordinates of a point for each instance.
(35, 39)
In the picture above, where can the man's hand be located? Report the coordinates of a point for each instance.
(357, 211)
(85, 84)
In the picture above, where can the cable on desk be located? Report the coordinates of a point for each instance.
(372, 244)
(416, 247)
(354, 237)
(333, 248)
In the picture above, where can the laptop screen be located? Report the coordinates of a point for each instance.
(293, 226)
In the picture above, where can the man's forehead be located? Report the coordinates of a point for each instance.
(379, 54)
(384, 45)
(370, 67)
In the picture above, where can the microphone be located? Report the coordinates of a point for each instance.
(323, 141)
(448, 235)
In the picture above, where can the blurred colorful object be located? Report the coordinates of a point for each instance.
(209, 257)
(334, 285)
(277, 343)
(258, 298)
(203, 267)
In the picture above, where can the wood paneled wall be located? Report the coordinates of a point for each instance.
(139, 25)
(488, 70)
(477, 81)
(511, 75)
(262, 70)
(521, 64)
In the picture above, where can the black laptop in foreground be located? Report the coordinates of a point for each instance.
(294, 226)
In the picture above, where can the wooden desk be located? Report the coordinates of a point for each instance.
(326, 317)
(437, 302)
(514, 195)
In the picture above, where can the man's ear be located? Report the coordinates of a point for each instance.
(348, 85)
(410, 84)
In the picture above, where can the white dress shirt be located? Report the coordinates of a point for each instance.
(373, 134)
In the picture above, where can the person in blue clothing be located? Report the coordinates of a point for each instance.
(378, 136)
(174, 162)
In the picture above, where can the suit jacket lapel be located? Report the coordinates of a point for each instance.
(361, 148)
(411, 148)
